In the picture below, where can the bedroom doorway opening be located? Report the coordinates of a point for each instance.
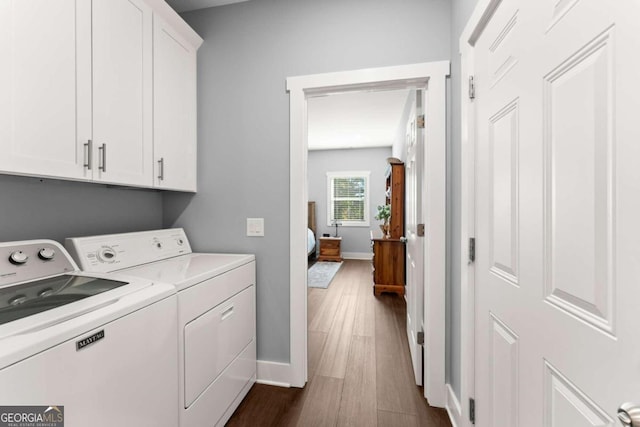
(430, 76)
(350, 138)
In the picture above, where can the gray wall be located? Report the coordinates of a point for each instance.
(461, 11)
(249, 50)
(32, 208)
(354, 239)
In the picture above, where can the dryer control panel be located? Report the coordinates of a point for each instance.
(111, 252)
(31, 260)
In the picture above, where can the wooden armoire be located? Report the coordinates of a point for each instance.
(389, 253)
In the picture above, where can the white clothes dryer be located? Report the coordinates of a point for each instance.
(216, 313)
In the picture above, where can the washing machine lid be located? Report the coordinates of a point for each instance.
(187, 270)
(27, 299)
(23, 337)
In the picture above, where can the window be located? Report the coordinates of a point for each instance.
(348, 198)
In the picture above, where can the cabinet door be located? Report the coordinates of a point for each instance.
(174, 102)
(122, 98)
(45, 100)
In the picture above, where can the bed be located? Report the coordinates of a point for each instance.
(311, 229)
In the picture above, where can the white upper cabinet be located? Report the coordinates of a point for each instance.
(45, 87)
(122, 97)
(174, 108)
(78, 90)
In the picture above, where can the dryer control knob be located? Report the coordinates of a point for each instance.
(106, 254)
(18, 257)
(46, 254)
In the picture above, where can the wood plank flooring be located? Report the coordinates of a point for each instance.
(360, 370)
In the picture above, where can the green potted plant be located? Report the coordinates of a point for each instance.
(384, 213)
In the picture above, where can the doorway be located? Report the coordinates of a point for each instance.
(429, 75)
(351, 138)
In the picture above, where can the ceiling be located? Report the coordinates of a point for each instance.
(355, 119)
(187, 5)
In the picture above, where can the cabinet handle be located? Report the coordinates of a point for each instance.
(161, 169)
(226, 313)
(103, 149)
(88, 148)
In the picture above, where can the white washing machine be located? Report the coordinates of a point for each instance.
(97, 349)
(216, 313)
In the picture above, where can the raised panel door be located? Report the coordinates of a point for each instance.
(557, 213)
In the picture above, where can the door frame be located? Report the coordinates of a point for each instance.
(459, 410)
(430, 74)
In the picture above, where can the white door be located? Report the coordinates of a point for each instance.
(174, 109)
(415, 243)
(122, 85)
(558, 203)
(45, 87)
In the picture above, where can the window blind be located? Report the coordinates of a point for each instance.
(348, 195)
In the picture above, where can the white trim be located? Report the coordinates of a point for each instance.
(479, 18)
(175, 21)
(433, 75)
(434, 211)
(367, 204)
(364, 256)
(399, 76)
(453, 408)
(298, 198)
(478, 21)
(467, 230)
(273, 373)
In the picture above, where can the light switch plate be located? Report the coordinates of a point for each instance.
(255, 227)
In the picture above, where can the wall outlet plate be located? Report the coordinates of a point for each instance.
(255, 227)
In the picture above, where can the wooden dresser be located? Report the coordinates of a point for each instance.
(388, 264)
(389, 253)
(330, 249)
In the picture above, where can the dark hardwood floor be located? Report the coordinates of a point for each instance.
(360, 370)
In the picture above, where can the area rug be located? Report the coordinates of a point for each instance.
(321, 274)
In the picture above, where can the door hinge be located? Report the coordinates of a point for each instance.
(420, 121)
(420, 230)
(472, 88)
(472, 249)
(472, 410)
(420, 338)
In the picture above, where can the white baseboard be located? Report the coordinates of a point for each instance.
(273, 373)
(454, 409)
(366, 256)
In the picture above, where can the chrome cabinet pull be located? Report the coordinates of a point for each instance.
(629, 414)
(161, 169)
(88, 146)
(103, 150)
